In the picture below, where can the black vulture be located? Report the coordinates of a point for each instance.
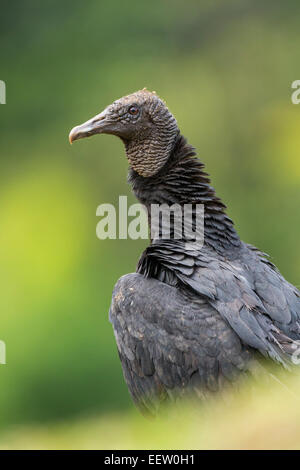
(190, 318)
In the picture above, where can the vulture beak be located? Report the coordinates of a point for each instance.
(96, 125)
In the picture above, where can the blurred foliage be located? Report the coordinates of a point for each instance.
(267, 418)
(225, 69)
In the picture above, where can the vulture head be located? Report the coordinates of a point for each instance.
(145, 125)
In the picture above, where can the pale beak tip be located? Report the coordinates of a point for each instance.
(72, 135)
(88, 128)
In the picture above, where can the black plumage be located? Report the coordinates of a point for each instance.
(190, 319)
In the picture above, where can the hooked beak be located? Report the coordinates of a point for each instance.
(96, 125)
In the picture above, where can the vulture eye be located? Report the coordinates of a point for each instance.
(134, 110)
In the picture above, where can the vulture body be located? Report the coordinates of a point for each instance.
(191, 319)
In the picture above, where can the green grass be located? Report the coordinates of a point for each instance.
(256, 417)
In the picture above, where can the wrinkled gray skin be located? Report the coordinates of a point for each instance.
(150, 132)
(189, 320)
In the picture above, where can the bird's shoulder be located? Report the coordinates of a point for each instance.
(172, 341)
(243, 286)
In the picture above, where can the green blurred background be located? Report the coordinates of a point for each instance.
(225, 69)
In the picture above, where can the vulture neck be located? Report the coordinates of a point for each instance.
(182, 180)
